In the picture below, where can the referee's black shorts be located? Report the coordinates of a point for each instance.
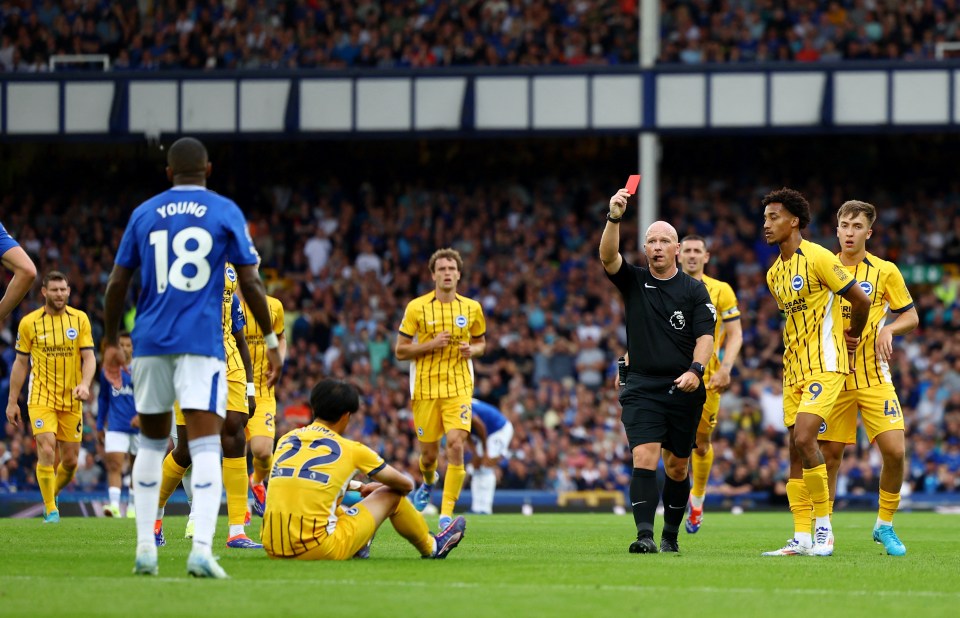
(652, 413)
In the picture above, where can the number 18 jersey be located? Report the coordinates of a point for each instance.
(181, 239)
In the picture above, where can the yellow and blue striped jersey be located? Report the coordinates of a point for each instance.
(442, 373)
(725, 302)
(53, 343)
(806, 288)
(258, 349)
(312, 467)
(884, 285)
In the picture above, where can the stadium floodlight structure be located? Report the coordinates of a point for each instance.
(65, 60)
(649, 142)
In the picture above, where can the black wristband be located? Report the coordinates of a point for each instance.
(614, 219)
(698, 369)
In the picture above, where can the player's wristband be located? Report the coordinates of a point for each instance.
(251, 389)
(613, 219)
(272, 341)
(354, 485)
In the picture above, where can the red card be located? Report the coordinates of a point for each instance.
(632, 183)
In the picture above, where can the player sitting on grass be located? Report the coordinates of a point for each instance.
(312, 468)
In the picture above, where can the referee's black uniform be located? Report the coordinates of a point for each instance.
(664, 319)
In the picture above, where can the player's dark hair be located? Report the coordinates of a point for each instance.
(793, 201)
(54, 275)
(187, 157)
(124, 333)
(693, 237)
(853, 208)
(329, 399)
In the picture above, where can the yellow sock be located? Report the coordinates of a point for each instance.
(172, 475)
(235, 484)
(452, 485)
(429, 474)
(701, 472)
(800, 505)
(831, 509)
(819, 487)
(412, 526)
(889, 503)
(261, 469)
(47, 480)
(64, 476)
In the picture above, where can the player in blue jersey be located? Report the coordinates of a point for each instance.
(180, 240)
(118, 427)
(494, 432)
(16, 260)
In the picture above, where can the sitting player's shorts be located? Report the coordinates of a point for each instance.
(708, 420)
(433, 418)
(355, 527)
(815, 395)
(197, 382)
(67, 425)
(879, 409)
(121, 442)
(263, 421)
(654, 411)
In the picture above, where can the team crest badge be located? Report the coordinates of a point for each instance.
(867, 287)
(38, 423)
(823, 427)
(677, 320)
(231, 274)
(796, 283)
(351, 511)
(460, 321)
(71, 334)
(420, 431)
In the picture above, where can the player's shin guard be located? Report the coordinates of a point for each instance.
(261, 468)
(235, 482)
(64, 476)
(207, 487)
(172, 475)
(800, 505)
(889, 503)
(147, 474)
(429, 472)
(412, 526)
(47, 480)
(675, 496)
(644, 497)
(452, 485)
(701, 474)
(818, 485)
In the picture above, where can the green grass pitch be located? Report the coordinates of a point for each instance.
(553, 565)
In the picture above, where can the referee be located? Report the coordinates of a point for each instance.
(670, 324)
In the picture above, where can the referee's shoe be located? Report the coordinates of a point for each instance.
(668, 544)
(643, 545)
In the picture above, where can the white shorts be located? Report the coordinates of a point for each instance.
(498, 442)
(121, 442)
(197, 382)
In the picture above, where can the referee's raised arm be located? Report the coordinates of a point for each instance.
(610, 241)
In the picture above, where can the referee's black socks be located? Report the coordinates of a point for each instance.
(675, 496)
(644, 497)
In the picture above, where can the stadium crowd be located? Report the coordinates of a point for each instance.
(344, 260)
(333, 34)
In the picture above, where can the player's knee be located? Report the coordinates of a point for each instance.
(68, 461)
(893, 455)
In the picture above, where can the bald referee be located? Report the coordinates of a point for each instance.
(670, 324)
